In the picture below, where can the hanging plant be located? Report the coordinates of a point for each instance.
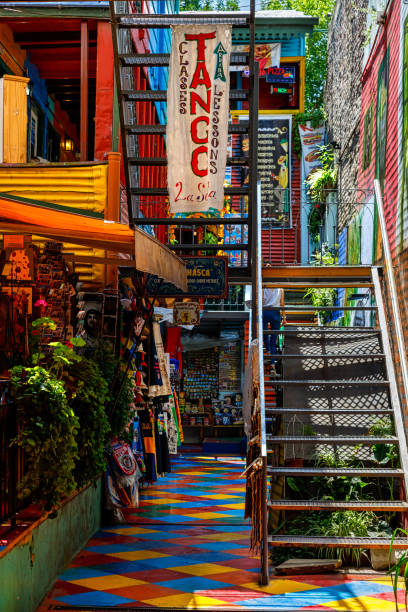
(320, 182)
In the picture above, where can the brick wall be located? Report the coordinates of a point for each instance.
(343, 94)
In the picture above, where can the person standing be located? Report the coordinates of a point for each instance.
(272, 306)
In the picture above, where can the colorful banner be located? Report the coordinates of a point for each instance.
(197, 117)
(311, 138)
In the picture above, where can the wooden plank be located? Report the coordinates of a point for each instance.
(307, 566)
(303, 272)
(316, 284)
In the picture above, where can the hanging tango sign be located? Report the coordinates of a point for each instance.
(197, 117)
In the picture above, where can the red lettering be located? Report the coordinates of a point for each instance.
(195, 99)
(200, 38)
(194, 130)
(201, 76)
(194, 161)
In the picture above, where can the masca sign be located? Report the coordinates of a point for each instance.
(197, 117)
(206, 277)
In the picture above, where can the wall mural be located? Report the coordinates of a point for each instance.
(402, 226)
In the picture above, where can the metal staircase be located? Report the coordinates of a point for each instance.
(335, 384)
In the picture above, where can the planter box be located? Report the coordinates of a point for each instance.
(32, 563)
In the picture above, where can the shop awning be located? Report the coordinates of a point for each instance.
(24, 216)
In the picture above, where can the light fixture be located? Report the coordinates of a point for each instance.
(69, 144)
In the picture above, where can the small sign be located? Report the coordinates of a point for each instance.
(280, 74)
(186, 313)
(206, 277)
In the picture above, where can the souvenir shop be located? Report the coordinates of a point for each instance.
(54, 324)
(207, 373)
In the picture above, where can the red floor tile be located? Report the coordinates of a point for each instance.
(144, 591)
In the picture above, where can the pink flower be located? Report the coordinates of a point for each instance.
(41, 302)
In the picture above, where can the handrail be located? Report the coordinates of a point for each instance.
(392, 288)
(258, 305)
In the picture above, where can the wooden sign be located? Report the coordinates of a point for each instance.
(186, 313)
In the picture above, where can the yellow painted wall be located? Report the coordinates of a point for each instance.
(71, 185)
(14, 119)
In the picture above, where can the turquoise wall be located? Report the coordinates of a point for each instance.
(29, 570)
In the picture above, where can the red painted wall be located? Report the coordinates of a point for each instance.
(104, 91)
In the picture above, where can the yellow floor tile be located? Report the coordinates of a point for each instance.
(195, 473)
(102, 583)
(209, 515)
(278, 586)
(225, 537)
(162, 500)
(131, 530)
(237, 506)
(191, 601)
(204, 569)
(222, 496)
(361, 604)
(136, 555)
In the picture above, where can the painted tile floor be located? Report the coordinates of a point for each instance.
(187, 546)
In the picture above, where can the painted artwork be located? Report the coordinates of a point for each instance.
(402, 227)
(381, 118)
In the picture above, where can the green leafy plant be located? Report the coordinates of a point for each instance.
(320, 182)
(111, 369)
(89, 398)
(47, 430)
(399, 570)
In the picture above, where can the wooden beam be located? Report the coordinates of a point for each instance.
(313, 272)
(84, 92)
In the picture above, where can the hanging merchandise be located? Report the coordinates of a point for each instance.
(173, 437)
(173, 346)
(197, 116)
(121, 478)
(160, 382)
(149, 446)
(162, 448)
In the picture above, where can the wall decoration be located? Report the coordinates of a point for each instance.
(274, 145)
(197, 117)
(381, 118)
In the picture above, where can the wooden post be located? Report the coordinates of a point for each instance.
(112, 209)
(84, 92)
(13, 119)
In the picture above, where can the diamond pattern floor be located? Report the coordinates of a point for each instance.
(187, 546)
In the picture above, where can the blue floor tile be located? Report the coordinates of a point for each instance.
(94, 598)
(195, 584)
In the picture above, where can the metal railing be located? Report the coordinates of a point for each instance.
(11, 460)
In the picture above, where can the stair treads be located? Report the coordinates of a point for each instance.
(324, 542)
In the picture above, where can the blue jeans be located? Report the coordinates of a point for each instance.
(272, 317)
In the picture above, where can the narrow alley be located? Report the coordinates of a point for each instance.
(187, 546)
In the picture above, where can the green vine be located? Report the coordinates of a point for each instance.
(88, 402)
(47, 431)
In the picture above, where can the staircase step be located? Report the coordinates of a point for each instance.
(162, 161)
(151, 191)
(324, 542)
(331, 411)
(336, 440)
(321, 471)
(163, 59)
(316, 284)
(322, 383)
(372, 506)
(346, 332)
(326, 356)
(160, 95)
(314, 308)
(233, 128)
(148, 20)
